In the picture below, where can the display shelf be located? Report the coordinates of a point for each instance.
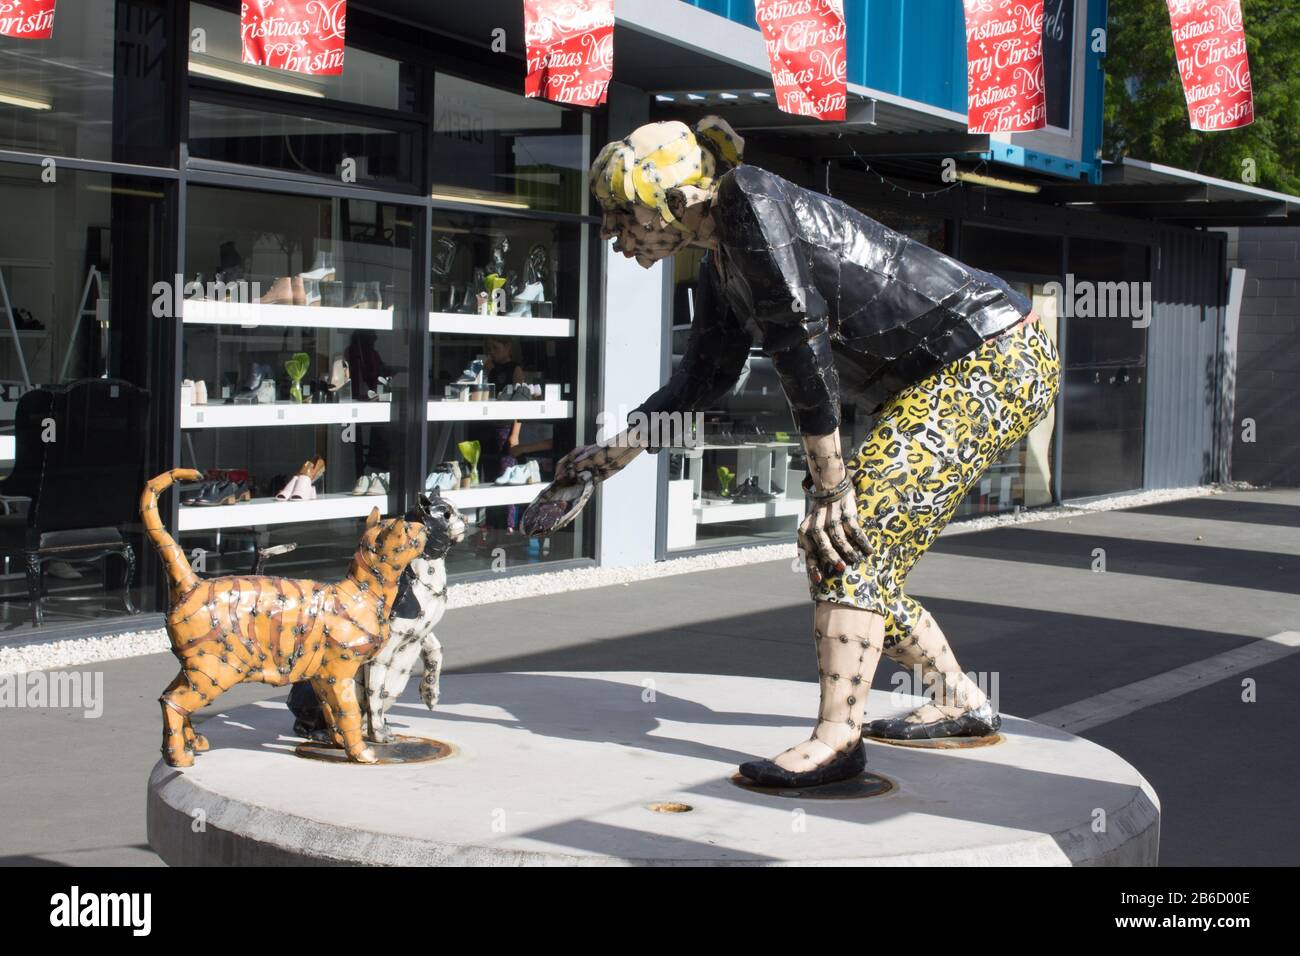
(284, 413)
(498, 411)
(251, 315)
(709, 511)
(8, 447)
(490, 496)
(269, 511)
(456, 323)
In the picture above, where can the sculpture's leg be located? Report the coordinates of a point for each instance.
(379, 676)
(431, 682)
(193, 740)
(945, 442)
(848, 649)
(336, 685)
(924, 650)
(202, 681)
(319, 685)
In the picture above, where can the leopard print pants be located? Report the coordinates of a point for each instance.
(930, 444)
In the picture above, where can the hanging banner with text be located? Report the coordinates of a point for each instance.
(1210, 45)
(1004, 66)
(299, 36)
(27, 19)
(806, 49)
(570, 50)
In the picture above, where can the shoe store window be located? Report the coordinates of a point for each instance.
(739, 482)
(504, 391)
(80, 383)
(99, 89)
(306, 125)
(493, 147)
(296, 318)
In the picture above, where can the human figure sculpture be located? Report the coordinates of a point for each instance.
(241, 629)
(952, 359)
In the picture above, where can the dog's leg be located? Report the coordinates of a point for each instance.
(320, 686)
(400, 654)
(430, 683)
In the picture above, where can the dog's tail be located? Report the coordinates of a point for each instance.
(178, 567)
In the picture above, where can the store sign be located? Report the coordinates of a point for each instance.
(27, 19)
(1004, 66)
(300, 36)
(1210, 45)
(806, 49)
(570, 50)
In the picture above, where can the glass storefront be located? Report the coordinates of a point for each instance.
(79, 384)
(356, 289)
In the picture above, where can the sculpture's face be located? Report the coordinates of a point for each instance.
(643, 235)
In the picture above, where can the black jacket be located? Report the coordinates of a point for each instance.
(834, 298)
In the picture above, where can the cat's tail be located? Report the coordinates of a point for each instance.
(178, 567)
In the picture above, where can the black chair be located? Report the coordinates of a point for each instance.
(80, 453)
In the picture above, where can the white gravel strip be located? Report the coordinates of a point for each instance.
(88, 650)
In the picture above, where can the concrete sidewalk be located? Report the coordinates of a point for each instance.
(1194, 585)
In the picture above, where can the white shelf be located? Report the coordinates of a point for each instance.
(251, 315)
(497, 411)
(489, 496)
(8, 447)
(269, 511)
(709, 511)
(284, 413)
(456, 323)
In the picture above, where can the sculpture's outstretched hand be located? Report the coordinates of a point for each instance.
(599, 461)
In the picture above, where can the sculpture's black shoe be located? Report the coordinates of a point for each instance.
(980, 722)
(765, 773)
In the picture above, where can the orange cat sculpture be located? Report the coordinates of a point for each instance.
(229, 630)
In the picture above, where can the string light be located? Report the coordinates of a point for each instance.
(911, 193)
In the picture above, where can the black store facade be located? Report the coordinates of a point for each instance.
(242, 271)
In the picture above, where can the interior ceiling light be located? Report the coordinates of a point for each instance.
(978, 179)
(25, 101)
(233, 74)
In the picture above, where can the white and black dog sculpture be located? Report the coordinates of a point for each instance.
(420, 603)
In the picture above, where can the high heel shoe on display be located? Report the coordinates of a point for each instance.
(848, 763)
(322, 269)
(280, 293)
(366, 295)
(340, 374)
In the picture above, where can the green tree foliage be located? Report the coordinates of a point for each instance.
(1146, 114)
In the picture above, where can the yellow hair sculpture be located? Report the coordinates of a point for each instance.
(658, 157)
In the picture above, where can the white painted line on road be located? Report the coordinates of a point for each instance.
(1122, 701)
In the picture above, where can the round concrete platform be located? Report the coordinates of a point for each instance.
(562, 769)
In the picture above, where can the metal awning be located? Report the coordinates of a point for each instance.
(1146, 190)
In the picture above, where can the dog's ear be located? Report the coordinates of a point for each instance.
(427, 502)
(372, 519)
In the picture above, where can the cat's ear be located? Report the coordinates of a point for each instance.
(372, 519)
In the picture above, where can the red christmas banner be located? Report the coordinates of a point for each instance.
(300, 36)
(570, 50)
(806, 48)
(27, 19)
(1004, 66)
(1210, 45)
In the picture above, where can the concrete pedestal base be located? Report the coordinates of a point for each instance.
(612, 769)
